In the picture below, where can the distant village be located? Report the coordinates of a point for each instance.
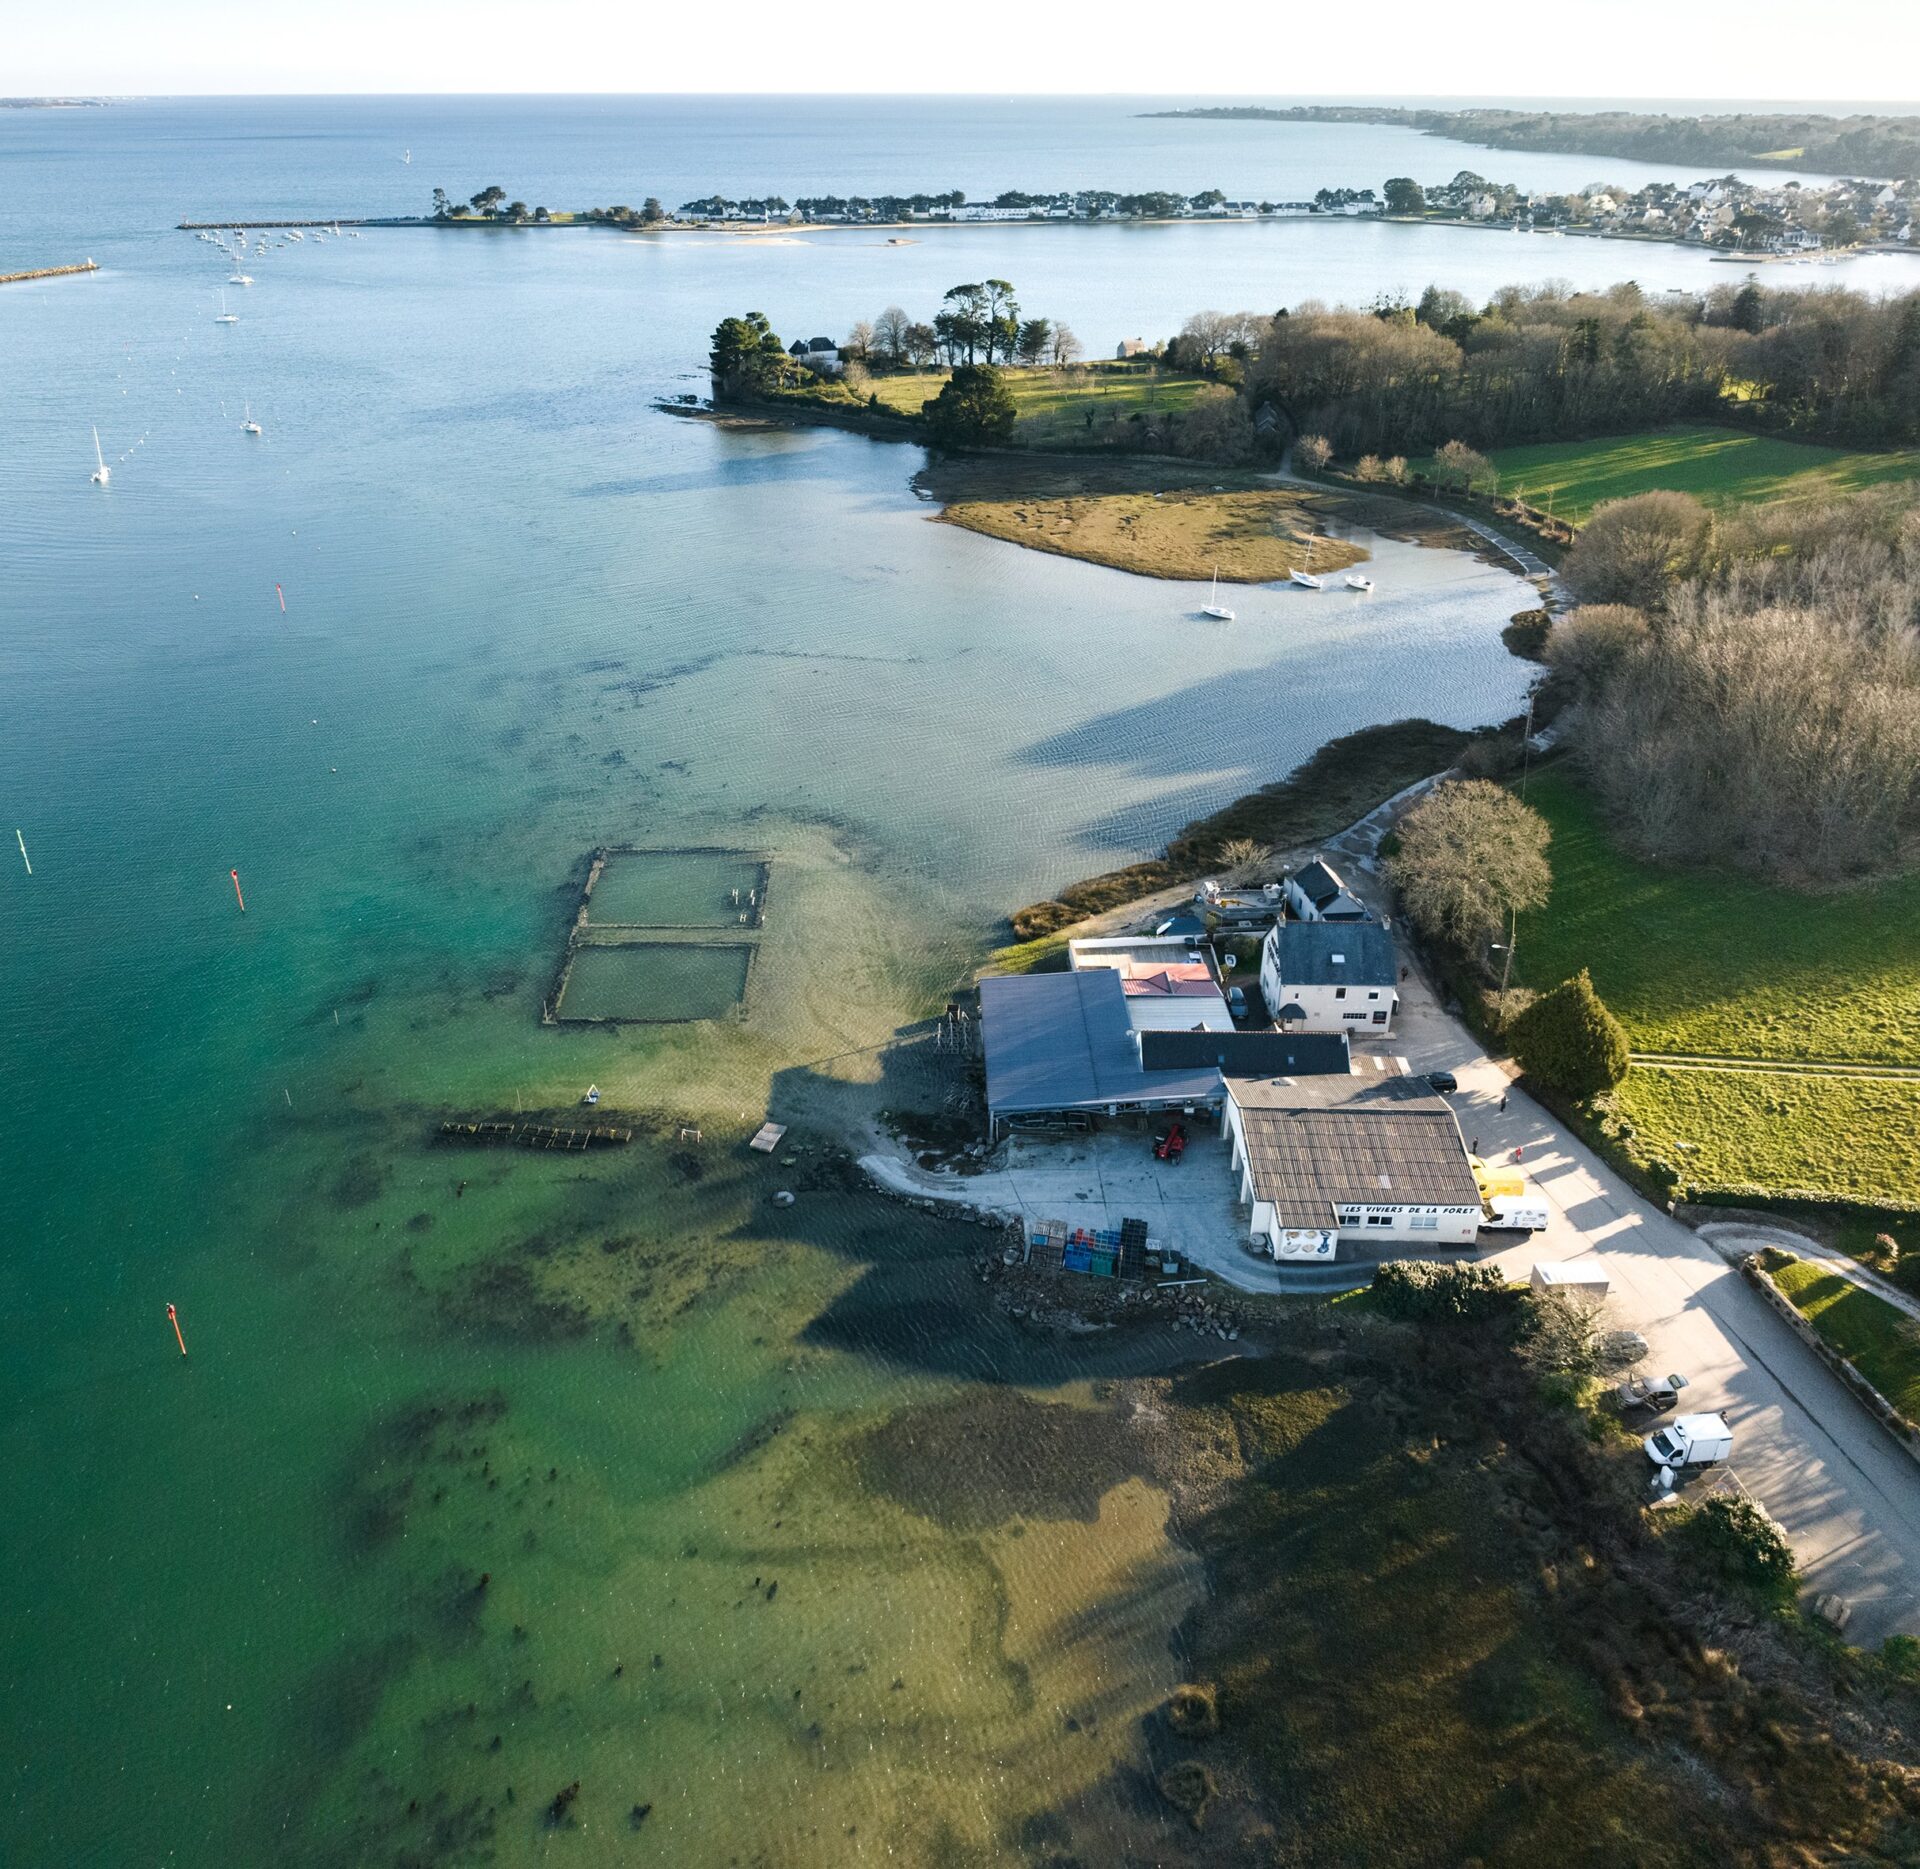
(1774, 218)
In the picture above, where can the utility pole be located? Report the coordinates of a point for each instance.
(1526, 747)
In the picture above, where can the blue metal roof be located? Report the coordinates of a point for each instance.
(1063, 1041)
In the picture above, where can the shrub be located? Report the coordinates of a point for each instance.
(1194, 1712)
(1570, 1041)
(1188, 1787)
(1741, 1544)
(1315, 451)
(1423, 1291)
(1900, 1655)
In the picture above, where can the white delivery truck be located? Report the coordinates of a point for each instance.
(1508, 1201)
(1690, 1441)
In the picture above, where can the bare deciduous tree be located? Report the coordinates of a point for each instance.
(890, 333)
(1313, 452)
(1066, 347)
(1454, 460)
(1470, 857)
(1634, 551)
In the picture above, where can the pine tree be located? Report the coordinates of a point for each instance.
(1568, 1040)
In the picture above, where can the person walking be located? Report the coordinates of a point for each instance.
(1503, 1103)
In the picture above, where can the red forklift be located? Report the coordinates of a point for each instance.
(1171, 1146)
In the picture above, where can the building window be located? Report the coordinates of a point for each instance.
(1425, 1223)
(1339, 992)
(1379, 1220)
(1351, 1218)
(1380, 1018)
(1373, 995)
(1353, 1015)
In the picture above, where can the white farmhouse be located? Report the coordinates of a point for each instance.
(1330, 977)
(1361, 1161)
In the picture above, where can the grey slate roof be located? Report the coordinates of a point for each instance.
(1318, 883)
(1247, 1054)
(1063, 1041)
(1307, 951)
(1323, 1142)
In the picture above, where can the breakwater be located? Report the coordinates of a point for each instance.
(48, 272)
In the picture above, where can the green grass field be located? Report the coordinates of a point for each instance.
(1850, 1139)
(1055, 405)
(1720, 465)
(1881, 1343)
(1710, 963)
(1720, 966)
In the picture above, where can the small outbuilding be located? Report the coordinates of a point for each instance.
(1577, 1278)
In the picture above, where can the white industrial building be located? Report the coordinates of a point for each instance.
(1357, 1160)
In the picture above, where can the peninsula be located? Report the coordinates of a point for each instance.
(1888, 147)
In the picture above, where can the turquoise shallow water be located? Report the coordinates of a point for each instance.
(527, 615)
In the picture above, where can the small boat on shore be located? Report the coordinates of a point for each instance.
(1213, 607)
(1307, 580)
(1358, 581)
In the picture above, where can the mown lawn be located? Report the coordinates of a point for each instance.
(1880, 1342)
(1843, 1138)
(1717, 964)
(1061, 407)
(1720, 465)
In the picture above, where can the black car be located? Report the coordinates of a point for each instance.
(1443, 1081)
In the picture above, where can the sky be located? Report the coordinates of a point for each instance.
(1613, 50)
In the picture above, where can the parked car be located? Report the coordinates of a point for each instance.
(1443, 1081)
(1648, 1395)
(1237, 1001)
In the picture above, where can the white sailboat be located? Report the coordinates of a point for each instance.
(224, 316)
(1213, 607)
(1308, 580)
(102, 473)
(407, 158)
(240, 279)
(249, 426)
(1359, 581)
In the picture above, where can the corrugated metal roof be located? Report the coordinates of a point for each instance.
(1323, 1142)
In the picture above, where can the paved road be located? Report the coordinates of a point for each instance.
(1848, 1497)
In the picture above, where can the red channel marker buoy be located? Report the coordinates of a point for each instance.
(242, 900)
(173, 1318)
(282, 595)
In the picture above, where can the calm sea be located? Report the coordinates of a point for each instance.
(526, 614)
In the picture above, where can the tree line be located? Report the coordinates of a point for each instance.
(1746, 684)
(1545, 363)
